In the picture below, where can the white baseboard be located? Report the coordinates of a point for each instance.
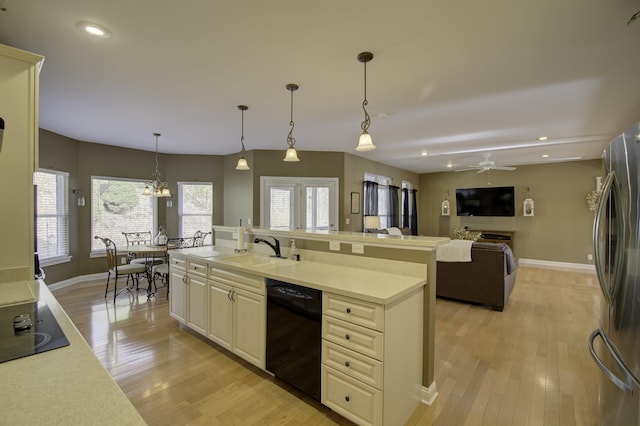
(77, 280)
(548, 264)
(429, 394)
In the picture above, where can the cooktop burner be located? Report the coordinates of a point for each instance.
(28, 329)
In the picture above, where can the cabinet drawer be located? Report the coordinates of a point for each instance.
(197, 268)
(351, 363)
(178, 262)
(360, 339)
(253, 283)
(359, 312)
(350, 398)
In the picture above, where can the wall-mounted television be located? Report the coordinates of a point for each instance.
(494, 201)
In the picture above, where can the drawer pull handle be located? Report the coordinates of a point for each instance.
(347, 364)
(346, 336)
(348, 310)
(346, 398)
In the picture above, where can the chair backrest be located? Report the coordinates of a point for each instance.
(138, 238)
(112, 253)
(199, 237)
(179, 243)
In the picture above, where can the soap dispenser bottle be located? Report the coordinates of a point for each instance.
(293, 252)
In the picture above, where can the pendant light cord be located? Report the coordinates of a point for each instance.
(367, 120)
(242, 127)
(290, 139)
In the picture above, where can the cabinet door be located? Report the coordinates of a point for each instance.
(249, 322)
(197, 306)
(220, 314)
(177, 299)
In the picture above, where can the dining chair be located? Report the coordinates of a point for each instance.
(131, 270)
(162, 270)
(144, 238)
(199, 237)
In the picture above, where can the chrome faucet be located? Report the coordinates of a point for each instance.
(275, 247)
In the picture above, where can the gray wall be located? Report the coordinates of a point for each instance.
(561, 228)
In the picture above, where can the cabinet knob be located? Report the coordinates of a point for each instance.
(346, 336)
(348, 310)
(346, 398)
(347, 364)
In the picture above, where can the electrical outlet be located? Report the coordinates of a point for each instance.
(334, 245)
(357, 248)
(589, 257)
(234, 235)
(123, 260)
(348, 221)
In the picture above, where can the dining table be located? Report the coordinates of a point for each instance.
(149, 252)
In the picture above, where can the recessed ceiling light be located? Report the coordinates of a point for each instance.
(424, 153)
(543, 138)
(93, 29)
(545, 156)
(449, 165)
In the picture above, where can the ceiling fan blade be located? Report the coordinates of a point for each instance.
(466, 170)
(483, 170)
(507, 168)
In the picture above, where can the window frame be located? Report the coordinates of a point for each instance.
(181, 213)
(62, 204)
(101, 252)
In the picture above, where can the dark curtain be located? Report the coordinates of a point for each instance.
(394, 207)
(414, 212)
(370, 198)
(405, 208)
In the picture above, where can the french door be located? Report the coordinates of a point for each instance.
(289, 203)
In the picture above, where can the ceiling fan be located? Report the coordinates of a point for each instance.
(487, 165)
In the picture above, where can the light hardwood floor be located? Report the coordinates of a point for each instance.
(528, 365)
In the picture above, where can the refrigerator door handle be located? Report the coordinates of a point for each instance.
(623, 385)
(610, 185)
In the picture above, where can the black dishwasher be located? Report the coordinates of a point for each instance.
(294, 323)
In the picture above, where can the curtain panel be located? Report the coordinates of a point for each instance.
(394, 207)
(370, 198)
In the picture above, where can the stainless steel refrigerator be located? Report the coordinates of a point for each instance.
(615, 345)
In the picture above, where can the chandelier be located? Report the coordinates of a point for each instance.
(156, 186)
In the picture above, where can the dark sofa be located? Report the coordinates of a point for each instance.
(488, 279)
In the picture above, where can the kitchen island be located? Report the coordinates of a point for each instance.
(374, 311)
(65, 386)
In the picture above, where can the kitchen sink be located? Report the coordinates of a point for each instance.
(253, 261)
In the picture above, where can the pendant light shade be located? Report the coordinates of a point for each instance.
(365, 143)
(242, 162)
(156, 186)
(291, 154)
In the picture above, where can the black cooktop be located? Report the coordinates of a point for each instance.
(28, 329)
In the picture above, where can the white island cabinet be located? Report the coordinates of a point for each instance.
(188, 295)
(371, 358)
(237, 309)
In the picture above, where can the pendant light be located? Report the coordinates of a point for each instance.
(291, 154)
(242, 162)
(156, 186)
(365, 143)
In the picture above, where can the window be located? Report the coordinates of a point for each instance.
(52, 216)
(117, 206)
(195, 207)
(299, 203)
(383, 197)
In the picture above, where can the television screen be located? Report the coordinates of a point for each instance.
(496, 201)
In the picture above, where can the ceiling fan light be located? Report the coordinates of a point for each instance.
(365, 143)
(291, 155)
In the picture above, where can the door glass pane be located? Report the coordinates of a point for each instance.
(281, 208)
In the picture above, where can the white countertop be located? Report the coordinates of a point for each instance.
(65, 386)
(374, 286)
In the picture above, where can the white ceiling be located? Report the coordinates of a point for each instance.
(457, 78)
